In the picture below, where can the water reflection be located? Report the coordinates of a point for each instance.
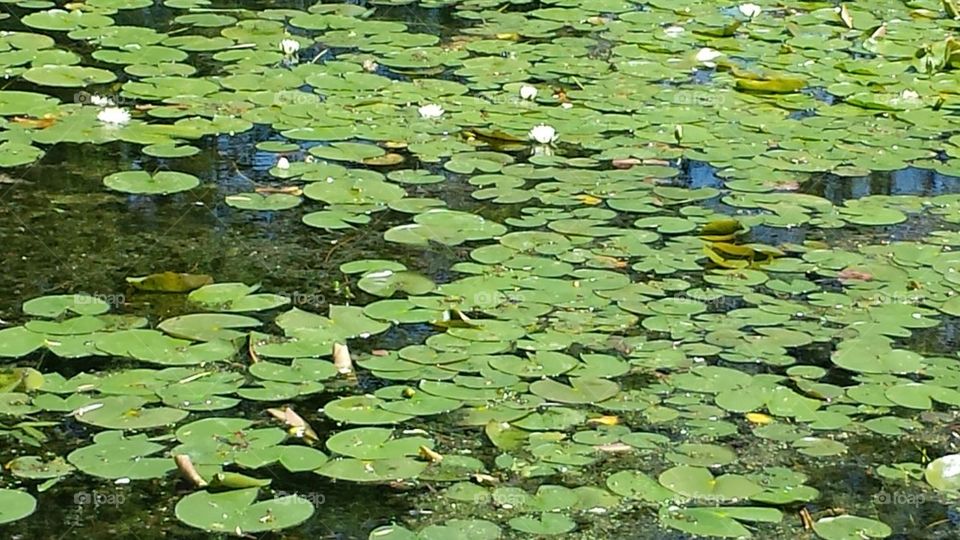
(701, 174)
(837, 189)
(909, 181)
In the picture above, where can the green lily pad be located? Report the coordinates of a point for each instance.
(702, 455)
(114, 456)
(386, 282)
(719, 522)
(699, 484)
(379, 470)
(172, 282)
(375, 443)
(471, 529)
(208, 326)
(62, 20)
(272, 202)
(637, 485)
(68, 76)
(58, 305)
(235, 297)
(300, 370)
(236, 512)
(35, 467)
(129, 412)
(362, 410)
(581, 390)
(18, 341)
(155, 347)
(875, 356)
(214, 442)
(143, 183)
(448, 227)
(15, 505)
(17, 154)
(170, 151)
(850, 528)
(302, 458)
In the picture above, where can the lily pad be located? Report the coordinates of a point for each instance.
(15, 505)
(143, 183)
(272, 202)
(68, 76)
(112, 455)
(363, 410)
(379, 470)
(581, 390)
(850, 528)
(58, 305)
(236, 512)
(129, 412)
(208, 326)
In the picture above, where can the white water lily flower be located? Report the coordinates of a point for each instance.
(750, 10)
(673, 31)
(114, 116)
(289, 46)
(283, 163)
(909, 95)
(951, 465)
(543, 134)
(707, 55)
(101, 101)
(528, 92)
(431, 110)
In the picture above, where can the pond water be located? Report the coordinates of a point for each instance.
(603, 268)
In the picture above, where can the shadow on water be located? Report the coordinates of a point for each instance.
(93, 240)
